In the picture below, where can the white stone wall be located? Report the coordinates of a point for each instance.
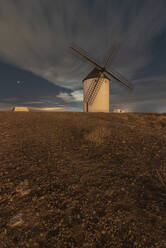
(101, 102)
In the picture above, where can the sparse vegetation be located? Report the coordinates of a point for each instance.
(82, 180)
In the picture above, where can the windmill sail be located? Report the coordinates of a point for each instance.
(119, 78)
(90, 90)
(111, 54)
(81, 52)
(96, 89)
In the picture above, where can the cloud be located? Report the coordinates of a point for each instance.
(75, 96)
(35, 35)
(66, 97)
(33, 102)
(78, 95)
(55, 109)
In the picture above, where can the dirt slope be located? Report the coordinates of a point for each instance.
(82, 180)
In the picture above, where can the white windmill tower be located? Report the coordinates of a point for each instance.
(96, 84)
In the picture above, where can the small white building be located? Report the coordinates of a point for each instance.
(20, 109)
(118, 111)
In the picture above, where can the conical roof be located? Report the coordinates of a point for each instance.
(94, 74)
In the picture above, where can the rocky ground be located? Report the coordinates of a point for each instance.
(82, 180)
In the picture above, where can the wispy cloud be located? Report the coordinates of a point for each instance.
(55, 109)
(75, 96)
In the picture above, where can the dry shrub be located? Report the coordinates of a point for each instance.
(99, 135)
(124, 117)
(162, 118)
(150, 119)
(161, 175)
(162, 121)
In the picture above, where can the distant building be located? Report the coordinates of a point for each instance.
(20, 109)
(118, 111)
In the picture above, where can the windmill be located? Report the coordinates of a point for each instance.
(96, 84)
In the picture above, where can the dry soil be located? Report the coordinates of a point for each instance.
(82, 180)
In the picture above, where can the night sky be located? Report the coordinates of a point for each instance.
(38, 70)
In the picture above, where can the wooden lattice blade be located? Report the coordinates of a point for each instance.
(84, 54)
(89, 91)
(96, 90)
(111, 54)
(118, 77)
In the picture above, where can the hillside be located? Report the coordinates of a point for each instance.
(82, 180)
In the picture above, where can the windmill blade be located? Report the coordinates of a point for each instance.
(89, 91)
(119, 78)
(84, 55)
(94, 91)
(111, 54)
(82, 59)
